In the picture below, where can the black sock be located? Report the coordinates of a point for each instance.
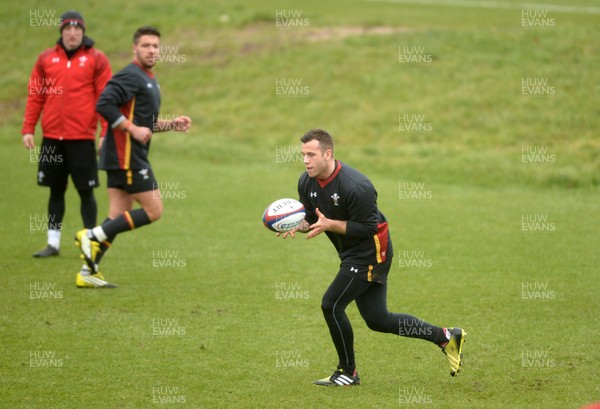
(412, 327)
(129, 220)
(105, 245)
(89, 207)
(56, 207)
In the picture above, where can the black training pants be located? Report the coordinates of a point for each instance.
(371, 300)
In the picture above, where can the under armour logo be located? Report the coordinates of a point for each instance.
(353, 270)
(313, 194)
(144, 173)
(149, 84)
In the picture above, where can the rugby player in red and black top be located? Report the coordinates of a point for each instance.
(130, 104)
(64, 86)
(342, 203)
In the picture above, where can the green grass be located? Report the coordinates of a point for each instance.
(221, 288)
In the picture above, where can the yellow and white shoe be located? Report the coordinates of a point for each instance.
(453, 349)
(89, 249)
(92, 281)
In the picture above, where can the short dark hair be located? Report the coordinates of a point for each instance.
(321, 135)
(143, 31)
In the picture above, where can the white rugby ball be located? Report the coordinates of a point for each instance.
(284, 215)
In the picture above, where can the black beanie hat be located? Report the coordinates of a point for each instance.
(71, 18)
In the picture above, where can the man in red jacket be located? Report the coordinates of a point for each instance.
(65, 84)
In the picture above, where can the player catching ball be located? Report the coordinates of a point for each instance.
(342, 203)
(130, 104)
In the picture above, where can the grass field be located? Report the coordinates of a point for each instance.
(478, 126)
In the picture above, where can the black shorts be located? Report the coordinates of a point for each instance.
(131, 180)
(376, 273)
(57, 159)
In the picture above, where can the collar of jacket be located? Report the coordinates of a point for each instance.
(86, 43)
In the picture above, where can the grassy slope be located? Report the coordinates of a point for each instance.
(228, 170)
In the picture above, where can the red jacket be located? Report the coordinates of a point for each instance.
(64, 91)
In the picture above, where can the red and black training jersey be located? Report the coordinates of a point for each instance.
(349, 195)
(131, 94)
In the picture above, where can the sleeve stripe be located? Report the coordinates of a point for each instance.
(128, 137)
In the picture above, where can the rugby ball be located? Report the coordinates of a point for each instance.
(283, 215)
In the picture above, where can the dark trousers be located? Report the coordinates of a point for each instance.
(371, 300)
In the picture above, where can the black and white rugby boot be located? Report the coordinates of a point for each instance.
(340, 378)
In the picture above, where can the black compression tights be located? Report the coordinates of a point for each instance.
(89, 207)
(371, 302)
(56, 207)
